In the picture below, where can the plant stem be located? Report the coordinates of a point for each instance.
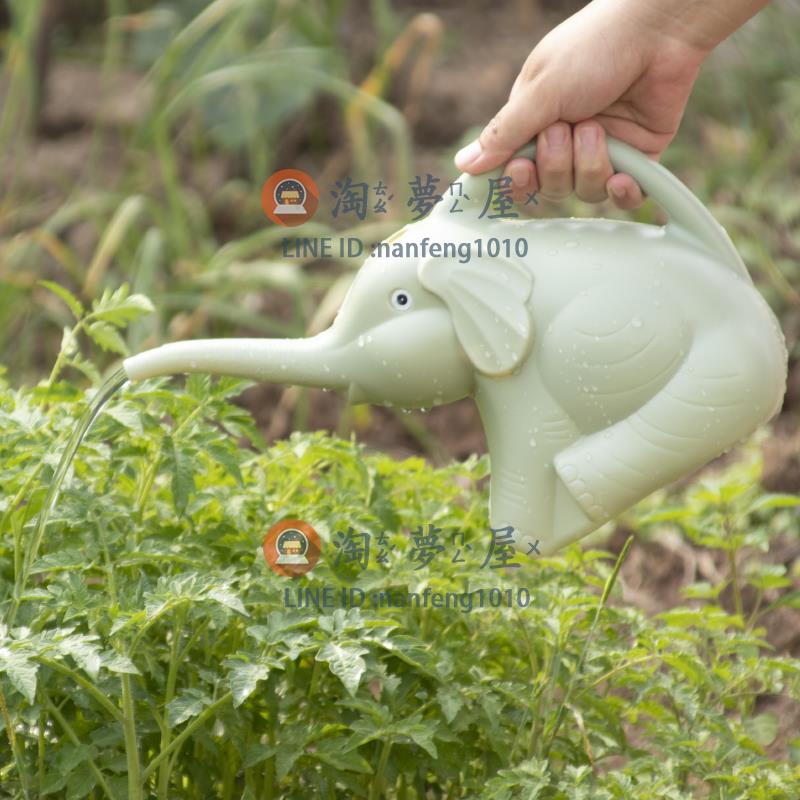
(84, 684)
(40, 749)
(737, 589)
(64, 351)
(553, 670)
(314, 682)
(268, 781)
(376, 787)
(131, 745)
(12, 506)
(111, 582)
(172, 675)
(730, 528)
(12, 740)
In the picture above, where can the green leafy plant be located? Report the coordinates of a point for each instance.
(154, 654)
(109, 313)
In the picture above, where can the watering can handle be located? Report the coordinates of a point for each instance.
(686, 214)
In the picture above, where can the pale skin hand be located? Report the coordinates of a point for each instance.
(625, 67)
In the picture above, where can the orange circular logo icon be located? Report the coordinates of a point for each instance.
(291, 547)
(289, 197)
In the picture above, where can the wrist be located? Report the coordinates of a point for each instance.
(697, 25)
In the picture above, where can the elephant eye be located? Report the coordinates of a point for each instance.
(401, 300)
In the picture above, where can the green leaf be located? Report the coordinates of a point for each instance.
(53, 782)
(284, 761)
(703, 590)
(256, 753)
(119, 308)
(198, 386)
(243, 678)
(420, 731)
(80, 783)
(768, 576)
(663, 514)
(345, 662)
(225, 596)
(21, 672)
(338, 752)
(106, 335)
(790, 599)
(451, 702)
(126, 415)
(180, 465)
(292, 746)
(121, 664)
(225, 458)
(767, 501)
(762, 729)
(708, 617)
(60, 561)
(86, 367)
(412, 651)
(529, 780)
(75, 305)
(84, 650)
(187, 705)
(73, 756)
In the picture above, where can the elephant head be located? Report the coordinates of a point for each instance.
(412, 331)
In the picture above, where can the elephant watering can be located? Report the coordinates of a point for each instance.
(611, 359)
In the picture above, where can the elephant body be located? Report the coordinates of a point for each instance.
(650, 357)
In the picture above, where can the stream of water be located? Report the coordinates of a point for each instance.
(104, 394)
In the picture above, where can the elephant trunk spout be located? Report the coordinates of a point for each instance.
(303, 362)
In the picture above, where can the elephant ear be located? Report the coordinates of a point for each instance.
(488, 304)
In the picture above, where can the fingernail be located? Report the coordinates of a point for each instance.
(519, 175)
(468, 155)
(556, 136)
(588, 137)
(618, 192)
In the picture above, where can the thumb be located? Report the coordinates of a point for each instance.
(525, 114)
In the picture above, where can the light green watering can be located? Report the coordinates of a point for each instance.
(611, 359)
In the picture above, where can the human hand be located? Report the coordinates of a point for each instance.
(609, 68)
